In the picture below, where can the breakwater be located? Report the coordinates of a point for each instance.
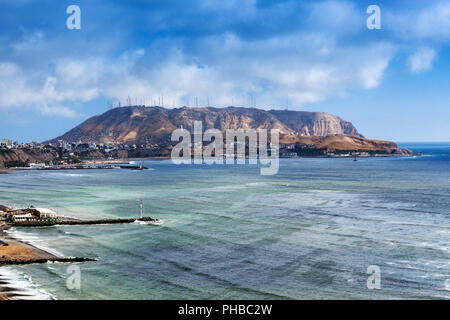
(44, 260)
(70, 221)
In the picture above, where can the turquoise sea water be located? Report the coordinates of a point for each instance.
(309, 232)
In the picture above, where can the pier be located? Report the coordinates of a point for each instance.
(43, 260)
(71, 221)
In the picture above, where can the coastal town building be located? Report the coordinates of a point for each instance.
(288, 155)
(30, 214)
(23, 217)
(37, 165)
(9, 144)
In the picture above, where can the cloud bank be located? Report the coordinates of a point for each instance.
(422, 60)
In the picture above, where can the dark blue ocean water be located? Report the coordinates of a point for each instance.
(309, 232)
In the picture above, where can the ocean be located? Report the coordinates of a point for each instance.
(309, 232)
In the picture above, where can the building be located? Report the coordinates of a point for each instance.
(7, 143)
(37, 165)
(24, 217)
(33, 215)
(288, 155)
(46, 213)
(289, 146)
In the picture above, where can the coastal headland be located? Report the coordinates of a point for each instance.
(141, 132)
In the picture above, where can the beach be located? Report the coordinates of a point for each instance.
(17, 251)
(20, 253)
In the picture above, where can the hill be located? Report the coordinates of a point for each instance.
(140, 124)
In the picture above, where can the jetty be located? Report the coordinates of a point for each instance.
(140, 167)
(71, 221)
(43, 260)
(43, 217)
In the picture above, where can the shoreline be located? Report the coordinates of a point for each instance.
(20, 252)
(120, 162)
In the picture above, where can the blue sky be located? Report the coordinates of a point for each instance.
(303, 55)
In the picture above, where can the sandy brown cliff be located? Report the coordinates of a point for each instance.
(19, 157)
(141, 124)
(315, 123)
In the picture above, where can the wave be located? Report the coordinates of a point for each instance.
(218, 279)
(71, 233)
(31, 240)
(64, 174)
(20, 286)
(416, 224)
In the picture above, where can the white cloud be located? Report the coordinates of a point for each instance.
(59, 111)
(304, 68)
(422, 60)
(429, 23)
(434, 22)
(372, 73)
(29, 42)
(18, 90)
(338, 17)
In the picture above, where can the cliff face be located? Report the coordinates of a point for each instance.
(315, 123)
(155, 124)
(18, 157)
(339, 143)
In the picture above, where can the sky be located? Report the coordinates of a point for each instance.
(391, 83)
